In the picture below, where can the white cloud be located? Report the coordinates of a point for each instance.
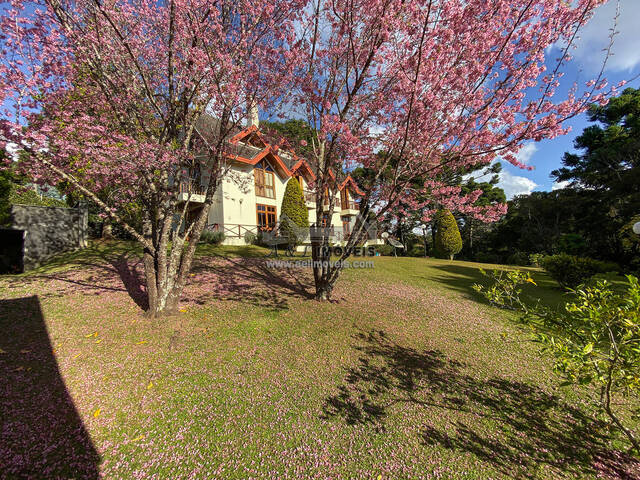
(594, 37)
(515, 185)
(559, 185)
(526, 152)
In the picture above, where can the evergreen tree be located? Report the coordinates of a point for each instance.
(448, 240)
(293, 212)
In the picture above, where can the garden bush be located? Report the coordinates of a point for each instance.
(212, 238)
(294, 214)
(448, 240)
(570, 271)
(535, 259)
(595, 338)
(250, 238)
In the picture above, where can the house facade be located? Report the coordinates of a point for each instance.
(249, 198)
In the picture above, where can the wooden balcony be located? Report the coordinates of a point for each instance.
(191, 190)
(349, 207)
(309, 198)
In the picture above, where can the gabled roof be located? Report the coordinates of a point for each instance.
(264, 153)
(248, 145)
(243, 133)
(350, 181)
(302, 165)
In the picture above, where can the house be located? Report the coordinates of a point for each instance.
(248, 199)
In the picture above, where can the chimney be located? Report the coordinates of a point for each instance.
(252, 114)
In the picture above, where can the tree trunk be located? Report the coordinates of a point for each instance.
(607, 407)
(321, 270)
(167, 269)
(107, 230)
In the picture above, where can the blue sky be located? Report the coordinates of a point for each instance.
(546, 155)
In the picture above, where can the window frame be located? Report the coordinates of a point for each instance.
(346, 224)
(261, 187)
(269, 211)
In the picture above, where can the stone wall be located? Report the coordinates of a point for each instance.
(49, 231)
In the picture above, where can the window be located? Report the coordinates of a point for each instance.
(346, 225)
(266, 216)
(264, 180)
(344, 198)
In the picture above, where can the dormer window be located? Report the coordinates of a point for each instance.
(264, 180)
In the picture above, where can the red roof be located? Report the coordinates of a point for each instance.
(353, 184)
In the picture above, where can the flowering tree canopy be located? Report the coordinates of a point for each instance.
(112, 96)
(412, 90)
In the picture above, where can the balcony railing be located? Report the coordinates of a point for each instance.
(309, 196)
(350, 205)
(193, 187)
(334, 234)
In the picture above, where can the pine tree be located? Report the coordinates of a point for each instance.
(293, 212)
(448, 240)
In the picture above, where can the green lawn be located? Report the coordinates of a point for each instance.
(406, 374)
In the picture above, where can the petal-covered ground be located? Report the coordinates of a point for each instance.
(406, 374)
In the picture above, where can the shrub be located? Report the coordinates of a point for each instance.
(595, 339)
(213, 238)
(293, 213)
(448, 240)
(518, 258)
(535, 259)
(417, 251)
(250, 238)
(570, 271)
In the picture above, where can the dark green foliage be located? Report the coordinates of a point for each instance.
(609, 158)
(474, 230)
(535, 259)
(293, 213)
(27, 196)
(487, 257)
(448, 239)
(5, 191)
(570, 271)
(630, 242)
(572, 243)
(12, 193)
(518, 258)
(385, 250)
(297, 134)
(212, 238)
(592, 216)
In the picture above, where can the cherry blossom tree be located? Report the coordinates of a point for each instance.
(413, 90)
(129, 97)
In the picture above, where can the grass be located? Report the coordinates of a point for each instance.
(407, 374)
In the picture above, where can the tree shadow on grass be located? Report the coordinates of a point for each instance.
(100, 269)
(213, 277)
(247, 280)
(514, 426)
(460, 278)
(41, 433)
